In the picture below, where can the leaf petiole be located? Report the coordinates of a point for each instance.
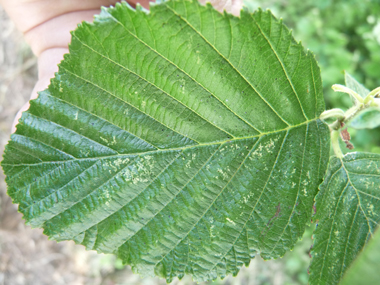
(344, 89)
(335, 143)
(374, 93)
(333, 113)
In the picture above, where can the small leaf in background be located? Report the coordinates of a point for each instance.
(348, 207)
(183, 140)
(367, 119)
(365, 269)
(354, 85)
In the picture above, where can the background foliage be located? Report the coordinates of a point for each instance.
(343, 34)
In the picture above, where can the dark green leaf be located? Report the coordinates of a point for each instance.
(183, 140)
(348, 207)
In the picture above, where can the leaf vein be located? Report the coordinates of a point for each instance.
(212, 203)
(155, 51)
(175, 196)
(298, 193)
(71, 130)
(241, 75)
(258, 200)
(103, 119)
(282, 65)
(113, 95)
(332, 227)
(143, 190)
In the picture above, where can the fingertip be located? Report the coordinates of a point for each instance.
(48, 62)
(42, 84)
(18, 116)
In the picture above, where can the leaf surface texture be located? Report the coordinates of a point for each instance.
(365, 269)
(348, 207)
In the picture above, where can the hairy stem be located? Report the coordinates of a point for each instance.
(335, 143)
(342, 118)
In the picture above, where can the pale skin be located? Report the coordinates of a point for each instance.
(46, 25)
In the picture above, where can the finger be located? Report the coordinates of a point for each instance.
(29, 14)
(47, 66)
(231, 6)
(56, 32)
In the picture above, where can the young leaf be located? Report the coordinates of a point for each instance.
(354, 85)
(365, 269)
(184, 140)
(366, 119)
(348, 207)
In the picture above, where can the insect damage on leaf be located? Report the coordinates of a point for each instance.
(348, 212)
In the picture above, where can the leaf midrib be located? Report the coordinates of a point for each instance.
(359, 200)
(167, 149)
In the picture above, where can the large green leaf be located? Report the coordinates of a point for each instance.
(348, 207)
(365, 269)
(184, 140)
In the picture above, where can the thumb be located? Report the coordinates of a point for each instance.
(231, 6)
(47, 65)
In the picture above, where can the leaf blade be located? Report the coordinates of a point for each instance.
(365, 267)
(345, 197)
(367, 119)
(354, 85)
(151, 132)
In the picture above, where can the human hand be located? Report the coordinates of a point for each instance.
(46, 25)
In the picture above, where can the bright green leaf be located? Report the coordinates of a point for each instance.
(354, 85)
(348, 210)
(184, 140)
(365, 269)
(367, 119)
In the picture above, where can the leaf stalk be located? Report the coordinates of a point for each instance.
(335, 143)
(344, 89)
(342, 118)
(337, 113)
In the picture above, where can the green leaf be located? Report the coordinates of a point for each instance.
(365, 269)
(354, 85)
(348, 207)
(184, 140)
(367, 119)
